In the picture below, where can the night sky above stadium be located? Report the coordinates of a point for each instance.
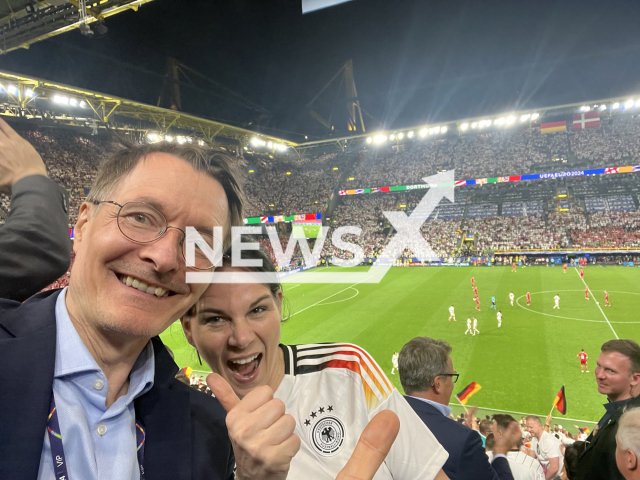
(414, 61)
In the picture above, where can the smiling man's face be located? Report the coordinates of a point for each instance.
(98, 291)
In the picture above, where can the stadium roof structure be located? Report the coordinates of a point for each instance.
(33, 98)
(24, 22)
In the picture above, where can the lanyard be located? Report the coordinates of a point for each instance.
(57, 450)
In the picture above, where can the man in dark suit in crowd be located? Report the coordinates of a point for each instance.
(618, 376)
(87, 386)
(427, 376)
(35, 249)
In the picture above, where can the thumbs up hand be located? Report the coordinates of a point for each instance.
(261, 432)
(264, 442)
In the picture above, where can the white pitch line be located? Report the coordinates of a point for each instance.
(537, 414)
(291, 288)
(597, 303)
(327, 298)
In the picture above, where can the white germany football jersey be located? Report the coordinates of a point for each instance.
(333, 390)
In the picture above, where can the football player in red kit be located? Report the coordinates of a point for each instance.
(473, 282)
(513, 267)
(528, 299)
(606, 299)
(583, 361)
(565, 268)
(582, 274)
(477, 302)
(586, 292)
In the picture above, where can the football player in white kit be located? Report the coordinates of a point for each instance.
(499, 317)
(452, 313)
(557, 300)
(394, 362)
(469, 329)
(511, 297)
(475, 326)
(331, 390)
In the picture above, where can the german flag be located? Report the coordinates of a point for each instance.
(187, 371)
(463, 396)
(560, 402)
(553, 127)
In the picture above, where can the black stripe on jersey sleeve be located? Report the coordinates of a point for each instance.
(289, 350)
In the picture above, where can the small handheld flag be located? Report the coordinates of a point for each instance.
(560, 402)
(187, 371)
(463, 396)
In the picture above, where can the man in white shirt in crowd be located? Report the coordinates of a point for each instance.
(523, 466)
(546, 446)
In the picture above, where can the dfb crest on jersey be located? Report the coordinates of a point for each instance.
(327, 435)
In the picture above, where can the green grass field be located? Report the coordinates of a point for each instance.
(520, 366)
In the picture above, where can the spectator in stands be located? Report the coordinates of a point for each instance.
(628, 444)
(546, 446)
(104, 327)
(236, 329)
(618, 376)
(34, 242)
(427, 376)
(523, 466)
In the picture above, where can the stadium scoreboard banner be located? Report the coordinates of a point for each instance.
(484, 181)
(305, 217)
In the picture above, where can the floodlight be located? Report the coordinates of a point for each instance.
(628, 104)
(369, 140)
(83, 104)
(423, 132)
(168, 138)
(603, 107)
(30, 93)
(436, 130)
(61, 99)
(12, 89)
(500, 121)
(73, 102)
(153, 137)
(510, 119)
(525, 117)
(637, 103)
(392, 137)
(400, 136)
(464, 126)
(534, 116)
(201, 143)
(474, 124)
(255, 141)
(181, 140)
(270, 144)
(585, 108)
(444, 129)
(1, 88)
(379, 138)
(615, 106)
(410, 134)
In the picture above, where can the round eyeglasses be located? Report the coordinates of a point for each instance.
(140, 222)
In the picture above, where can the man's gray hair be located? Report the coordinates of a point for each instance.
(628, 436)
(421, 360)
(214, 163)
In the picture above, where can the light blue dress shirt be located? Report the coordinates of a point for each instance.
(444, 409)
(99, 443)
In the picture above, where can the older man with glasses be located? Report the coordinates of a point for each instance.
(427, 376)
(87, 388)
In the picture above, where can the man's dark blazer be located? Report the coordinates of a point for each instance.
(186, 435)
(598, 460)
(467, 458)
(35, 249)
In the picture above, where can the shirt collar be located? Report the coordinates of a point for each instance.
(443, 409)
(73, 357)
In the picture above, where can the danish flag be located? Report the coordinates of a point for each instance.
(586, 120)
(611, 170)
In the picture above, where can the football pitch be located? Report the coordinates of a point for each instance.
(520, 366)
